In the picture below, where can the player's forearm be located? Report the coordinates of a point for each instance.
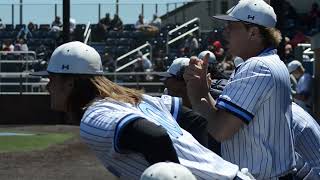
(215, 117)
(204, 105)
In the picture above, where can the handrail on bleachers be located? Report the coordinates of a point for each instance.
(86, 30)
(147, 44)
(183, 25)
(130, 63)
(18, 52)
(182, 35)
(87, 33)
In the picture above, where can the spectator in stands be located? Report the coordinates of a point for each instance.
(299, 37)
(31, 27)
(145, 27)
(7, 45)
(290, 15)
(228, 62)
(108, 62)
(288, 54)
(140, 23)
(182, 52)
(143, 64)
(303, 96)
(156, 21)
(105, 22)
(314, 16)
(24, 33)
(116, 23)
(191, 45)
(57, 22)
(56, 25)
(72, 25)
(21, 45)
(218, 50)
(2, 26)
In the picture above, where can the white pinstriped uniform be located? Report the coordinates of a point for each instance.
(103, 121)
(307, 136)
(258, 92)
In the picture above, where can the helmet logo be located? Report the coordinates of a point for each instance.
(250, 17)
(65, 67)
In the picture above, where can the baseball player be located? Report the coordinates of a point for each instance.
(252, 118)
(126, 129)
(307, 142)
(303, 89)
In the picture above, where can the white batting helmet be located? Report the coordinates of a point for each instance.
(74, 58)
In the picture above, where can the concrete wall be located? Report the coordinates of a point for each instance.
(28, 109)
(302, 6)
(204, 11)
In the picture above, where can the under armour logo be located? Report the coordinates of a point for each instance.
(65, 67)
(251, 17)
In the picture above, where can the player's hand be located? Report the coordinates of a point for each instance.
(195, 76)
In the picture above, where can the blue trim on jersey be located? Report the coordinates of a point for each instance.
(265, 51)
(235, 110)
(172, 106)
(119, 127)
(176, 107)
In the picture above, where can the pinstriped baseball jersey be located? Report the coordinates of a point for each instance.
(258, 93)
(104, 120)
(307, 136)
(173, 104)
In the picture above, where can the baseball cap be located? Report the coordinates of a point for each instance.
(167, 171)
(212, 57)
(293, 65)
(73, 58)
(176, 67)
(251, 11)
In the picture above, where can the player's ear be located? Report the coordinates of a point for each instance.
(70, 82)
(253, 33)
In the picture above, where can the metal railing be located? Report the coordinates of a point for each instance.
(24, 87)
(22, 59)
(146, 45)
(22, 84)
(87, 33)
(307, 48)
(182, 35)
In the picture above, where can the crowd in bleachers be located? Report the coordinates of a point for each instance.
(115, 38)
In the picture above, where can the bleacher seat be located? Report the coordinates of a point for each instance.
(9, 27)
(111, 50)
(125, 41)
(19, 27)
(113, 34)
(100, 47)
(125, 34)
(122, 50)
(110, 41)
(80, 26)
(129, 27)
(44, 27)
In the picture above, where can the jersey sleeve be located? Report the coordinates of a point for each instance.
(173, 104)
(250, 86)
(304, 87)
(123, 122)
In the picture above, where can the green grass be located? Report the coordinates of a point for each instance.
(30, 143)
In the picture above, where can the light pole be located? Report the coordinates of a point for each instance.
(66, 21)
